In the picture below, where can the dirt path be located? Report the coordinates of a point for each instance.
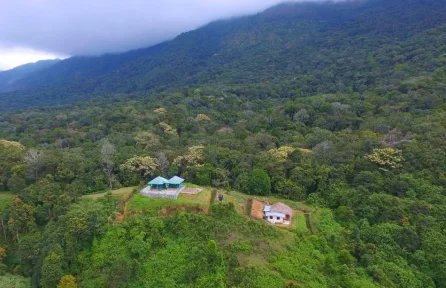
(123, 203)
(308, 222)
(256, 209)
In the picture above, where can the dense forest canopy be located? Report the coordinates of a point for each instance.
(338, 107)
(296, 49)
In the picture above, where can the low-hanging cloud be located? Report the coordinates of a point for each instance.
(87, 27)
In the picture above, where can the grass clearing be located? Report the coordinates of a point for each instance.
(6, 195)
(190, 185)
(243, 198)
(301, 222)
(117, 193)
(323, 220)
(141, 203)
(5, 199)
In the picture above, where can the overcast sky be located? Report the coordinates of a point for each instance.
(41, 29)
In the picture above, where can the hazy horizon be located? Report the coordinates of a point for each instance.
(49, 29)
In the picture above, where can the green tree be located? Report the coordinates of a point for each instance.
(107, 152)
(259, 183)
(67, 281)
(144, 166)
(52, 268)
(21, 219)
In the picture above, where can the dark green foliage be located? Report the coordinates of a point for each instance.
(13, 75)
(258, 183)
(367, 77)
(287, 51)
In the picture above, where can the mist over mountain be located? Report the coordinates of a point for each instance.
(7, 78)
(305, 147)
(308, 47)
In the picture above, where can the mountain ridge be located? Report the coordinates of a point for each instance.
(289, 43)
(7, 77)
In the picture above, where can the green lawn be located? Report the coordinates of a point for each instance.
(190, 185)
(301, 222)
(243, 198)
(141, 203)
(6, 195)
(117, 193)
(5, 199)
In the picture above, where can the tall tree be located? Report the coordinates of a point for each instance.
(32, 160)
(107, 152)
(22, 218)
(52, 268)
(145, 166)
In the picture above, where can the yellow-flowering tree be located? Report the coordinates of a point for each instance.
(194, 157)
(67, 281)
(387, 157)
(145, 166)
(168, 129)
(203, 117)
(282, 153)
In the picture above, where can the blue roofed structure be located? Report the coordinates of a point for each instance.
(176, 182)
(159, 183)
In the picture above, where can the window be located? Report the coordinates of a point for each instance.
(278, 218)
(270, 217)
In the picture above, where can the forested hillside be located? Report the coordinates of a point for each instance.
(298, 49)
(8, 78)
(351, 129)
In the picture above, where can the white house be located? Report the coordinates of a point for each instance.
(278, 213)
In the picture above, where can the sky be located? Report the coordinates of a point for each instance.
(32, 30)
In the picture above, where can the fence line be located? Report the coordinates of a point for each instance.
(147, 192)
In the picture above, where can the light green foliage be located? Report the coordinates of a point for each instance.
(387, 157)
(21, 219)
(282, 153)
(148, 141)
(145, 166)
(167, 128)
(194, 157)
(203, 117)
(52, 268)
(11, 154)
(14, 281)
(67, 281)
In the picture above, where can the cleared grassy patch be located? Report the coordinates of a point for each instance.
(5, 199)
(243, 198)
(323, 220)
(190, 185)
(141, 203)
(6, 195)
(117, 193)
(301, 222)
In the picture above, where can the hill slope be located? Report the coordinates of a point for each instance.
(305, 48)
(9, 77)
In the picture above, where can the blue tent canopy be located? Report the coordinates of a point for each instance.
(159, 181)
(176, 180)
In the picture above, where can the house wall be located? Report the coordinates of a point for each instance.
(275, 220)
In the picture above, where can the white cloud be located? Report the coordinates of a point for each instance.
(11, 57)
(99, 26)
(91, 27)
